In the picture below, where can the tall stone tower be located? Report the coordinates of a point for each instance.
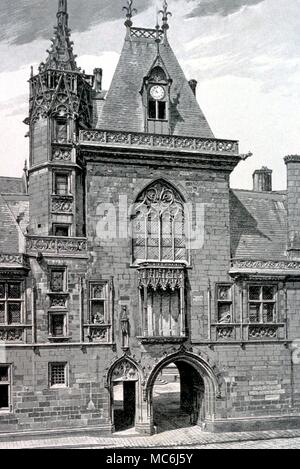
(60, 105)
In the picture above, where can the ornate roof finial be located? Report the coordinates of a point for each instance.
(165, 13)
(130, 12)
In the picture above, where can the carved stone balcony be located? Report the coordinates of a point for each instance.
(62, 204)
(54, 246)
(159, 142)
(13, 333)
(98, 333)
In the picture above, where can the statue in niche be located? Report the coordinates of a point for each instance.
(98, 318)
(125, 328)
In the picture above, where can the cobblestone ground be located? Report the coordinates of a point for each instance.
(189, 438)
(283, 443)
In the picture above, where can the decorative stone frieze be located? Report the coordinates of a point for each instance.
(62, 203)
(61, 154)
(266, 265)
(51, 245)
(11, 334)
(263, 331)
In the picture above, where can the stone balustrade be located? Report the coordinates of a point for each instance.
(159, 142)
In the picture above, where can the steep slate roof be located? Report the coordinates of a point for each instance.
(258, 225)
(9, 233)
(123, 109)
(10, 185)
(14, 214)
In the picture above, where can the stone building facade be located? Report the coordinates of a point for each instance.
(123, 250)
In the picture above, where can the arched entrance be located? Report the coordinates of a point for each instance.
(189, 401)
(124, 385)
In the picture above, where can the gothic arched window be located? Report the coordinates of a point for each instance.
(158, 225)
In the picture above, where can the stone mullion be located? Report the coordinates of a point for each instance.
(182, 310)
(145, 307)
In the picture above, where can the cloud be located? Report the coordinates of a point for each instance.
(220, 7)
(22, 21)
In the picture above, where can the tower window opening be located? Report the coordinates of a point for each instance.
(157, 110)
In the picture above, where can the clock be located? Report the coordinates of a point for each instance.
(157, 92)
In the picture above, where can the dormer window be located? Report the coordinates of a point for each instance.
(157, 92)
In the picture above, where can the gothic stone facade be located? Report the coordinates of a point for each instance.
(123, 249)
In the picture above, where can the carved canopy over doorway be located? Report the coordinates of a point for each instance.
(123, 369)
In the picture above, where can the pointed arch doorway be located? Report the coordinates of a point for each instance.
(190, 401)
(124, 385)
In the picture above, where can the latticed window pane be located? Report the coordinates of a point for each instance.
(57, 280)
(164, 230)
(254, 312)
(2, 290)
(254, 292)
(179, 235)
(268, 312)
(57, 325)
(14, 291)
(57, 374)
(4, 374)
(180, 254)
(268, 293)
(2, 313)
(167, 228)
(14, 313)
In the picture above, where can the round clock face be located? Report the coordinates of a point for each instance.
(157, 92)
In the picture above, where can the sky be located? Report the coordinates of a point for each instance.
(245, 55)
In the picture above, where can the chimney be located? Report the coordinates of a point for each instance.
(293, 202)
(193, 84)
(98, 80)
(262, 180)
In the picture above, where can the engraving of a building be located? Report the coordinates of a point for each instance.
(123, 250)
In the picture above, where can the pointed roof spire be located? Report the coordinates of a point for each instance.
(165, 13)
(60, 55)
